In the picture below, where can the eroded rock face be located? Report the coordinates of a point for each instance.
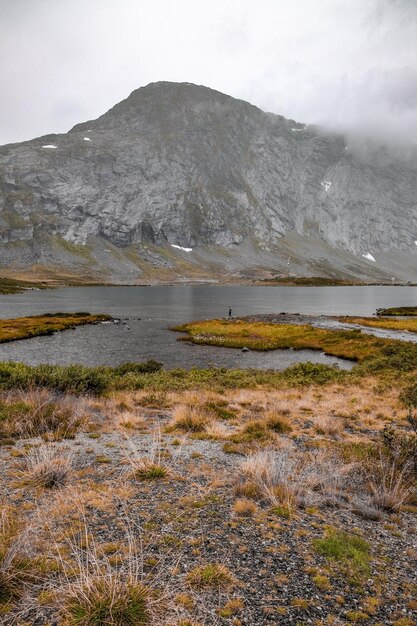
(186, 165)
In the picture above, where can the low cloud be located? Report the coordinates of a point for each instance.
(348, 65)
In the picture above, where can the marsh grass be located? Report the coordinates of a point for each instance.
(13, 285)
(36, 325)
(381, 322)
(348, 344)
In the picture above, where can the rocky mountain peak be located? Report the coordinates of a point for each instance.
(176, 164)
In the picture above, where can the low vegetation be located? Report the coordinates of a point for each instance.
(347, 344)
(47, 324)
(12, 285)
(309, 281)
(409, 325)
(349, 551)
(399, 310)
(201, 505)
(135, 495)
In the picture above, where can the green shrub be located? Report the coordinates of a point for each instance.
(401, 356)
(147, 367)
(313, 374)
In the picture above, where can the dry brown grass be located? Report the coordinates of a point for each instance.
(244, 507)
(94, 585)
(155, 464)
(327, 425)
(286, 479)
(40, 413)
(277, 421)
(358, 407)
(46, 466)
(189, 419)
(390, 484)
(15, 568)
(217, 430)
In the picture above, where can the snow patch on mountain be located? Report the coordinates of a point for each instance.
(181, 248)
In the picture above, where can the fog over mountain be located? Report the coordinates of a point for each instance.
(180, 181)
(348, 65)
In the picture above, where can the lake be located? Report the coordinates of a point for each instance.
(161, 307)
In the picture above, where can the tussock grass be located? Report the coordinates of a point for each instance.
(105, 601)
(244, 507)
(390, 483)
(217, 430)
(211, 575)
(95, 593)
(46, 466)
(39, 413)
(15, 566)
(277, 422)
(285, 479)
(152, 466)
(188, 418)
(327, 425)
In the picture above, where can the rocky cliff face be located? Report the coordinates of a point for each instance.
(183, 165)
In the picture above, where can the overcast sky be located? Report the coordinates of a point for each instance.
(345, 64)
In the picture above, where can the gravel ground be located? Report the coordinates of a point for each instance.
(187, 520)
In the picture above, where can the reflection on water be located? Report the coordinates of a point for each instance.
(161, 307)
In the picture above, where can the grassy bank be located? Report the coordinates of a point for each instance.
(382, 322)
(11, 285)
(310, 281)
(400, 310)
(347, 344)
(37, 325)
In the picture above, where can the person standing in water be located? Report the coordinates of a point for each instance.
(230, 312)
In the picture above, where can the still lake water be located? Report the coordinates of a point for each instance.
(161, 307)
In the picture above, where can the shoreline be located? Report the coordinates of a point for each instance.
(11, 286)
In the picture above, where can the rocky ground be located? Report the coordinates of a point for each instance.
(246, 508)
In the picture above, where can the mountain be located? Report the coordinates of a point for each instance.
(182, 182)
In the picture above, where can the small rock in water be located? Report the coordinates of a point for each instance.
(245, 349)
